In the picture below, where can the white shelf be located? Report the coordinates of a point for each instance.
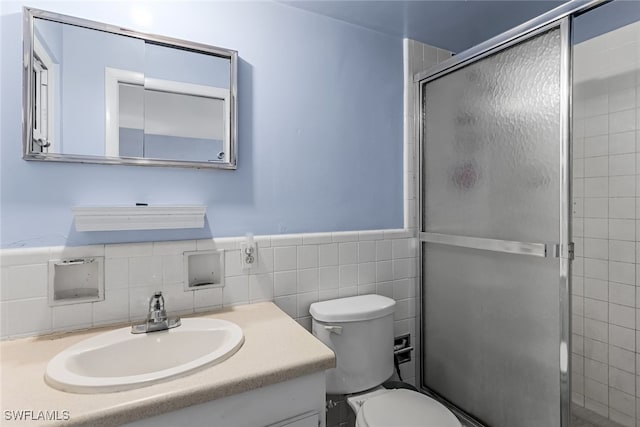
(113, 218)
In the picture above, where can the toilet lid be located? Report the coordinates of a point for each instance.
(406, 408)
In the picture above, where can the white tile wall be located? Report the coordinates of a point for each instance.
(418, 57)
(606, 209)
(394, 271)
(295, 273)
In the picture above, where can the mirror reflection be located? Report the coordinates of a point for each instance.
(99, 96)
(168, 125)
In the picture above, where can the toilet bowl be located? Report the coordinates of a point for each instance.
(360, 332)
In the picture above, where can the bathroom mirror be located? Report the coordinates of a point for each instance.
(96, 93)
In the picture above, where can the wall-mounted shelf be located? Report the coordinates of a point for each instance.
(112, 218)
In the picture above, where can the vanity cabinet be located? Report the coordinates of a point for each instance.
(309, 419)
(275, 379)
(299, 402)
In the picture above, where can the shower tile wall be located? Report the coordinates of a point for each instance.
(606, 225)
(418, 57)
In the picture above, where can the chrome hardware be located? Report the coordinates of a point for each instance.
(334, 329)
(403, 351)
(42, 142)
(506, 246)
(560, 251)
(402, 348)
(552, 251)
(157, 319)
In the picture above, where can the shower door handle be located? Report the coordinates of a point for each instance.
(541, 250)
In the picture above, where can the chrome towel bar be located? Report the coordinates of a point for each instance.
(506, 246)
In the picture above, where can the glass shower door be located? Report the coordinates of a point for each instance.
(494, 233)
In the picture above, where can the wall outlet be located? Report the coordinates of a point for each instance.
(248, 255)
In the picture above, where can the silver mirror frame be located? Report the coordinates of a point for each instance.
(27, 116)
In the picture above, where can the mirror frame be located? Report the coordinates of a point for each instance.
(27, 117)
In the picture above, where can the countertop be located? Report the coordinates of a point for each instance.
(275, 349)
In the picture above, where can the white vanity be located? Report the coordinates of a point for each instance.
(275, 379)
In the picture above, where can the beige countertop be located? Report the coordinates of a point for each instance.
(275, 349)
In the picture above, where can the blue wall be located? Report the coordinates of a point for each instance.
(83, 88)
(320, 131)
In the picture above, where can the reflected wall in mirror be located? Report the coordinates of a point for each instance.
(101, 94)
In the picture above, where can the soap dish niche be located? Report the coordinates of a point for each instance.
(76, 280)
(203, 270)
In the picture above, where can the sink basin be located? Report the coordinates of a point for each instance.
(119, 360)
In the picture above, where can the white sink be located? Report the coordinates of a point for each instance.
(119, 360)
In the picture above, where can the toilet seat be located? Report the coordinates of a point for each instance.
(404, 408)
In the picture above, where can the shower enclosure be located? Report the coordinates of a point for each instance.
(496, 245)
(605, 319)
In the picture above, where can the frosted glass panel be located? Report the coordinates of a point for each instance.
(491, 334)
(492, 145)
(492, 169)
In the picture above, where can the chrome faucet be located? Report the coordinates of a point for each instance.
(157, 319)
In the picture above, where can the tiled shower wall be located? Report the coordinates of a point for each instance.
(606, 225)
(418, 57)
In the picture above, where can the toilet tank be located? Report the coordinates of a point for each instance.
(359, 330)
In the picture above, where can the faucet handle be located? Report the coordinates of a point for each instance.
(157, 301)
(157, 319)
(157, 313)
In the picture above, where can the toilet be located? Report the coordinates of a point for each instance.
(359, 330)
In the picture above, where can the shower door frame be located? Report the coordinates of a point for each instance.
(561, 18)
